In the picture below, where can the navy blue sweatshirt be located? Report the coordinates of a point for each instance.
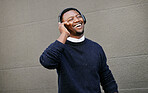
(81, 67)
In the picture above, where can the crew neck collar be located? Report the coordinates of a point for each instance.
(75, 40)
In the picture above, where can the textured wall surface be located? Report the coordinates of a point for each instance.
(27, 27)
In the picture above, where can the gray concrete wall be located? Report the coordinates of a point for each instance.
(27, 27)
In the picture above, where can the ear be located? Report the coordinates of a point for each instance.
(59, 19)
(84, 19)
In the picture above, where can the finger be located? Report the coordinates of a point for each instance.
(66, 23)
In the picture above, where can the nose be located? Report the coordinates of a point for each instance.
(76, 19)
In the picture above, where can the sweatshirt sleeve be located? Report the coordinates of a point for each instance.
(50, 58)
(107, 80)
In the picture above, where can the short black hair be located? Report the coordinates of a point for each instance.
(66, 10)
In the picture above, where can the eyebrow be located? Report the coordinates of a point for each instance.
(72, 16)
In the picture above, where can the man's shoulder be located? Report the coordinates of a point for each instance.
(93, 43)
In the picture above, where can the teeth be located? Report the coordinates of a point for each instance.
(77, 25)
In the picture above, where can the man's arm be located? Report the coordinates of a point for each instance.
(106, 78)
(50, 58)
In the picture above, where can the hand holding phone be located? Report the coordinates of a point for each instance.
(63, 27)
(64, 32)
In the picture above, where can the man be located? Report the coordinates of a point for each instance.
(80, 62)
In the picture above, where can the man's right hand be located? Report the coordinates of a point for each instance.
(63, 29)
(64, 32)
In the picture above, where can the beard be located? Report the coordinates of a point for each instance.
(75, 33)
(79, 33)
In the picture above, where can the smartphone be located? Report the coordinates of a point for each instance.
(66, 26)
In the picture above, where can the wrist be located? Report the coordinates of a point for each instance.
(65, 34)
(63, 37)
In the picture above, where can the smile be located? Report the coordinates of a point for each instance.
(78, 25)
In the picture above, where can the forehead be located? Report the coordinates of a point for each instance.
(69, 14)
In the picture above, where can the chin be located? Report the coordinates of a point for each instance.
(79, 30)
(79, 33)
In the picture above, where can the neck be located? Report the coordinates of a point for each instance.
(77, 37)
(76, 40)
